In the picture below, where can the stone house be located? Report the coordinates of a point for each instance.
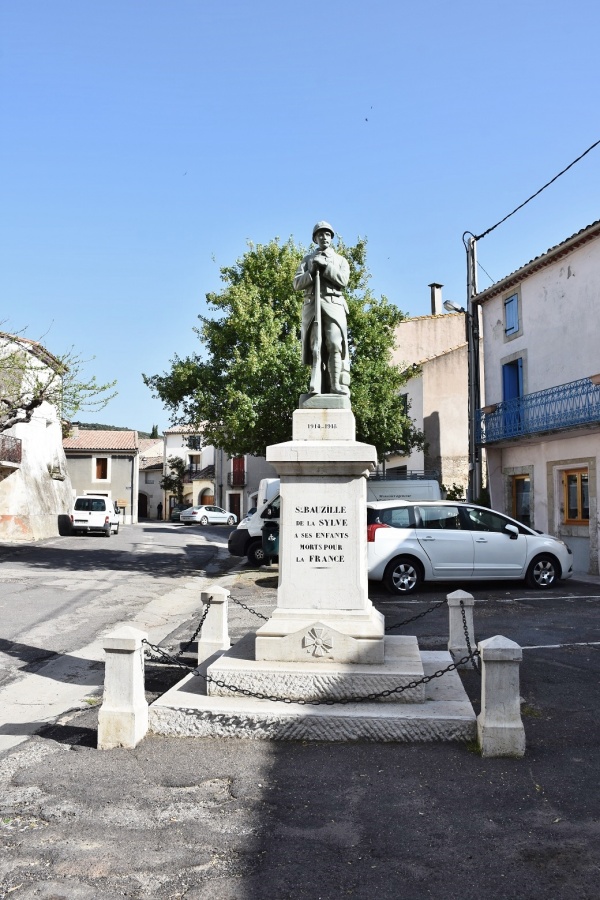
(541, 423)
(151, 464)
(105, 462)
(35, 490)
(436, 395)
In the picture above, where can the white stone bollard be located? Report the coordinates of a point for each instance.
(500, 730)
(123, 716)
(215, 631)
(457, 642)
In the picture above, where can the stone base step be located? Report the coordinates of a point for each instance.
(445, 714)
(312, 680)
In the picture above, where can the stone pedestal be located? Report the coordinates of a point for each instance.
(323, 612)
(123, 717)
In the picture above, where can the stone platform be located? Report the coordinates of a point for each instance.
(315, 680)
(444, 713)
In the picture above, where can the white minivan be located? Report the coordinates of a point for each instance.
(94, 512)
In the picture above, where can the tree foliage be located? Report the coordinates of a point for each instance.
(173, 480)
(241, 391)
(31, 376)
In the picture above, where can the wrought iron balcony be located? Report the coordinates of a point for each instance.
(554, 409)
(10, 449)
(236, 479)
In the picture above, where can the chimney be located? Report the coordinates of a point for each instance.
(75, 432)
(436, 298)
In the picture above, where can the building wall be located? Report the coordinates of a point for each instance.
(445, 417)
(545, 462)
(122, 483)
(425, 336)
(35, 499)
(555, 339)
(558, 344)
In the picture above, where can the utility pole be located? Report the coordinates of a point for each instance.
(474, 395)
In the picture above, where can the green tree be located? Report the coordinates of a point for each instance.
(173, 480)
(154, 432)
(243, 389)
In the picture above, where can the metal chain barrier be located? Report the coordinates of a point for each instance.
(249, 609)
(468, 639)
(187, 646)
(274, 698)
(414, 618)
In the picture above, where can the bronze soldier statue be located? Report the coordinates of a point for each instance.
(322, 275)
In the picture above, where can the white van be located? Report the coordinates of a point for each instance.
(402, 489)
(246, 539)
(95, 512)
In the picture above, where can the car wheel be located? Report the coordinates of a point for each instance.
(256, 555)
(204, 520)
(231, 520)
(403, 575)
(108, 531)
(543, 572)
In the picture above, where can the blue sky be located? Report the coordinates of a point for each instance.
(143, 143)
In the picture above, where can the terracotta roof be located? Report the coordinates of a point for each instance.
(102, 440)
(38, 350)
(151, 446)
(539, 262)
(150, 463)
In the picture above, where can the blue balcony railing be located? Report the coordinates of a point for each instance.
(554, 409)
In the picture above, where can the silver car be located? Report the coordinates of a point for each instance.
(409, 542)
(207, 515)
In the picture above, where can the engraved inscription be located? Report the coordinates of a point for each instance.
(321, 535)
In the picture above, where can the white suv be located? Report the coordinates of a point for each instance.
(410, 542)
(94, 512)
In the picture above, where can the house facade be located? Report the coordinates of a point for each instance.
(150, 493)
(107, 463)
(435, 346)
(210, 475)
(540, 426)
(35, 490)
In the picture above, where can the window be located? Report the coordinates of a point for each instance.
(442, 517)
(485, 520)
(511, 314)
(101, 469)
(194, 442)
(521, 499)
(576, 497)
(148, 478)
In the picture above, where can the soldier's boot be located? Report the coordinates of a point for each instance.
(336, 374)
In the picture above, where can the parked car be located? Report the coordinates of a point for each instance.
(207, 515)
(411, 542)
(177, 510)
(95, 513)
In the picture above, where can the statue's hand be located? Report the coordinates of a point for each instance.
(320, 261)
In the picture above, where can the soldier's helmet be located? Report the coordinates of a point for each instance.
(323, 226)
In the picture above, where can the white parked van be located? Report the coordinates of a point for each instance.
(95, 512)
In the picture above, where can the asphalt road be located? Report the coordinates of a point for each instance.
(210, 819)
(58, 594)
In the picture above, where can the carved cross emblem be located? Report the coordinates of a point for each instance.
(318, 642)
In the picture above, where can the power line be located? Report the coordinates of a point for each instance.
(552, 180)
